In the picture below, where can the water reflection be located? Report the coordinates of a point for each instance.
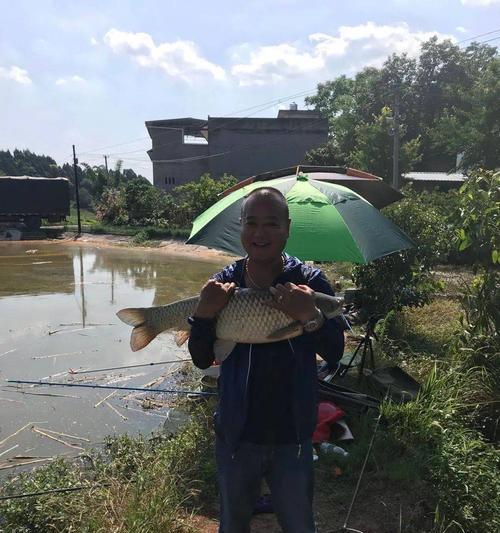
(34, 271)
(57, 312)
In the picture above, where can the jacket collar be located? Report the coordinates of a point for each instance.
(290, 263)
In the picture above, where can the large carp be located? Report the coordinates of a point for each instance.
(246, 318)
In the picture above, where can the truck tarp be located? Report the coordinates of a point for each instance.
(43, 197)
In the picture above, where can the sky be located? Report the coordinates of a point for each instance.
(90, 73)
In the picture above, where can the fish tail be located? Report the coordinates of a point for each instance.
(142, 336)
(144, 332)
(133, 316)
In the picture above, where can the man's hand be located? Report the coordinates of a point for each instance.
(213, 297)
(297, 301)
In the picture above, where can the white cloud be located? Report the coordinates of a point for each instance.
(270, 64)
(70, 79)
(94, 41)
(179, 59)
(353, 46)
(462, 29)
(15, 74)
(479, 2)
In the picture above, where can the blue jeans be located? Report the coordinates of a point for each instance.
(288, 471)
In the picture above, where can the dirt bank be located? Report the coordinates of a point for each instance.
(170, 246)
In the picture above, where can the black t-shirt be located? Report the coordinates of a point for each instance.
(269, 417)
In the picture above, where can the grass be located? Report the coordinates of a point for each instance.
(152, 484)
(142, 235)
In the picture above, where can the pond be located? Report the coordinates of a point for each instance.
(58, 305)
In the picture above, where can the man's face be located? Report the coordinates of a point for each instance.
(264, 228)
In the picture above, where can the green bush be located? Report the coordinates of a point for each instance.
(112, 207)
(191, 199)
(404, 278)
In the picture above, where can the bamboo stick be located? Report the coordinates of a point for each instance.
(6, 466)
(10, 400)
(105, 398)
(50, 356)
(145, 412)
(45, 394)
(15, 433)
(115, 410)
(66, 435)
(10, 449)
(36, 430)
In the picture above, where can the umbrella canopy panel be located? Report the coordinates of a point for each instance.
(329, 223)
(370, 187)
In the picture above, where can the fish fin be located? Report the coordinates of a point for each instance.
(141, 336)
(292, 330)
(133, 316)
(222, 348)
(181, 337)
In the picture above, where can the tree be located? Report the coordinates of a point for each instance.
(373, 151)
(193, 198)
(449, 104)
(405, 278)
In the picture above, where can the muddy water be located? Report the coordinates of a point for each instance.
(57, 312)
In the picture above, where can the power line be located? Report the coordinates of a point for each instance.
(480, 35)
(260, 107)
(489, 40)
(221, 126)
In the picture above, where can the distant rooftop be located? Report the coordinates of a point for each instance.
(435, 176)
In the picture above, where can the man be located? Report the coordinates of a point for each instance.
(267, 392)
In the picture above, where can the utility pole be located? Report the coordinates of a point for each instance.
(106, 163)
(77, 192)
(395, 152)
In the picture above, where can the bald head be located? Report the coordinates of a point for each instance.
(270, 195)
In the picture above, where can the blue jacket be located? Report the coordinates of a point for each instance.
(328, 342)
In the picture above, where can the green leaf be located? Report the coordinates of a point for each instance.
(495, 256)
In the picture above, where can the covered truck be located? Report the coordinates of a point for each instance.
(30, 199)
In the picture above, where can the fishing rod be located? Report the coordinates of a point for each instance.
(127, 366)
(345, 527)
(110, 387)
(53, 491)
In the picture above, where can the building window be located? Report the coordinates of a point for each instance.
(169, 181)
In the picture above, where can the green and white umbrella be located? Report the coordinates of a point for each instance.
(329, 223)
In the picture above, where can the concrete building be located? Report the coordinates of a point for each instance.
(185, 148)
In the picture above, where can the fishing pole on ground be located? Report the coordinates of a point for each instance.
(53, 491)
(127, 366)
(110, 387)
(345, 527)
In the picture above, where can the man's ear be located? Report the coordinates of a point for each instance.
(288, 224)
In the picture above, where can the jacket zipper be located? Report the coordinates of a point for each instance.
(246, 382)
(299, 451)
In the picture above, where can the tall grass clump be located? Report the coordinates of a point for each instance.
(460, 465)
(136, 484)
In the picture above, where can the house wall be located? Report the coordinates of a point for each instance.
(169, 145)
(259, 145)
(241, 147)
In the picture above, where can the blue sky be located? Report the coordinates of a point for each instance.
(91, 72)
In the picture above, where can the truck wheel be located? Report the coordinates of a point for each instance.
(33, 222)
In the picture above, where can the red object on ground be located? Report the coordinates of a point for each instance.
(328, 414)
